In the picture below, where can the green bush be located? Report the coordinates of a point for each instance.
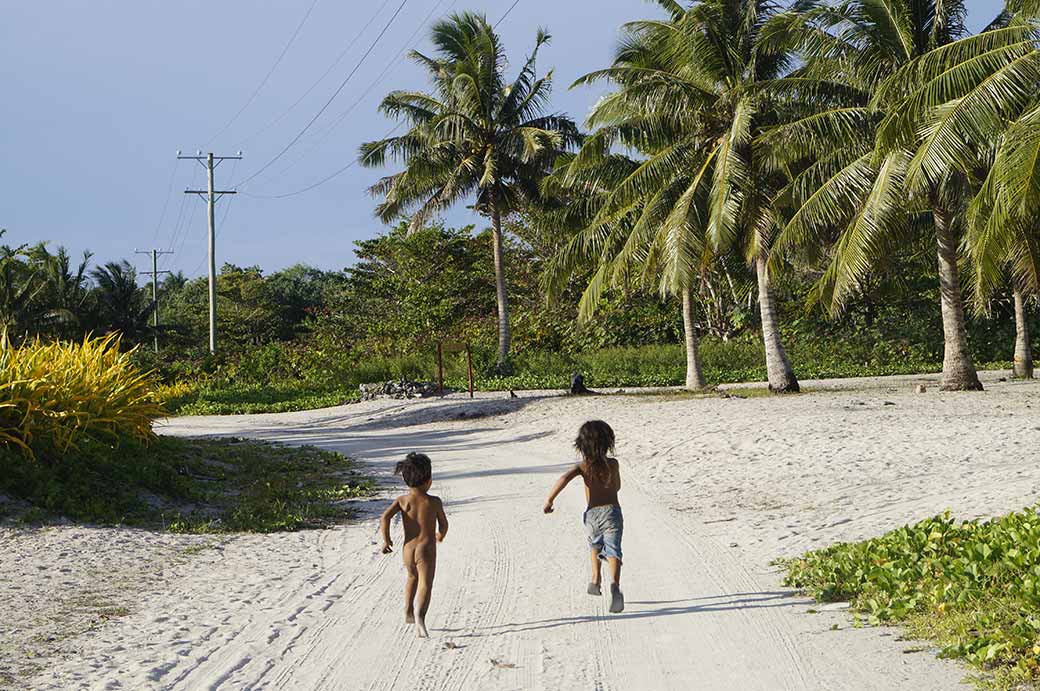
(230, 485)
(973, 586)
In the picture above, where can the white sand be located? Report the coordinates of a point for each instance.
(714, 490)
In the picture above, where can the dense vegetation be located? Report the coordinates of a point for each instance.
(974, 587)
(781, 191)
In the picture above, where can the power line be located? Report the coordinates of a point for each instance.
(166, 204)
(227, 209)
(319, 80)
(223, 220)
(343, 115)
(263, 82)
(328, 130)
(177, 227)
(342, 85)
(321, 182)
(503, 17)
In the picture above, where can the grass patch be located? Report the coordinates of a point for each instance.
(276, 397)
(188, 485)
(972, 587)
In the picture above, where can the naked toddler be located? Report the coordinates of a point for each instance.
(424, 526)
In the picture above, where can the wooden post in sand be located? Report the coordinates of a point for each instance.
(440, 369)
(469, 366)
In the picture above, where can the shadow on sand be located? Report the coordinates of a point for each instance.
(701, 605)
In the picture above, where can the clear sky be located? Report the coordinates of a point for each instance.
(99, 96)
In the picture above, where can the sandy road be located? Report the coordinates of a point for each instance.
(323, 609)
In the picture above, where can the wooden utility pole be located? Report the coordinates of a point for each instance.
(155, 289)
(211, 195)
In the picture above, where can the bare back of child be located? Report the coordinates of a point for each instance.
(604, 522)
(425, 524)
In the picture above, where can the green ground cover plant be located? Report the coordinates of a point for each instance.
(186, 485)
(973, 587)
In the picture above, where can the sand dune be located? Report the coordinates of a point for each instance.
(715, 488)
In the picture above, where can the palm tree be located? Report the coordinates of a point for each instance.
(65, 293)
(861, 175)
(978, 102)
(650, 245)
(689, 100)
(20, 283)
(476, 135)
(122, 305)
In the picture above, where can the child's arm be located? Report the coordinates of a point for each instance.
(442, 522)
(564, 480)
(384, 525)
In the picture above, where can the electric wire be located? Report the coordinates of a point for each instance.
(336, 93)
(319, 183)
(263, 82)
(166, 204)
(318, 81)
(177, 225)
(503, 17)
(329, 129)
(392, 63)
(223, 219)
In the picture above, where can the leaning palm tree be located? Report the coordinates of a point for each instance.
(475, 136)
(688, 99)
(859, 179)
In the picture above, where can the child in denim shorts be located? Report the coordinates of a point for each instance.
(604, 523)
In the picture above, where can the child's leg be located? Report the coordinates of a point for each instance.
(411, 584)
(595, 567)
(426, 565)
(615, 569)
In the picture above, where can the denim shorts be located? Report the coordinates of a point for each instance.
(603, 527)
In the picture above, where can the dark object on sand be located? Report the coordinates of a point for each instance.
(578, 385)
(512, 395)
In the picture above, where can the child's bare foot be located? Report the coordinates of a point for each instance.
(420, 628)
(409, 618)
(617, 600)
(594, 589)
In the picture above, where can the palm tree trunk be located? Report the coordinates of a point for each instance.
(1023, 349)
(694, 376)
(958, 370)
(500, 289)
(778, 367)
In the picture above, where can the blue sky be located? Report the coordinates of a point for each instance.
(100, 95)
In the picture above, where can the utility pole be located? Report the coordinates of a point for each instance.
(155, 288)
(211, 195)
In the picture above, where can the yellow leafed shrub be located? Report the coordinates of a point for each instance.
(164, 393)
(53, 395)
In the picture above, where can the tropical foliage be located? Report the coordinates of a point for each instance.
(54, 396)
(972, 586)
(476, 136)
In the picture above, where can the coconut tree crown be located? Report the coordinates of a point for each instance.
(475, 134)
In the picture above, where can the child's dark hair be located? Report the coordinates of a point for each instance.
(596, 440)
(415, 469)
